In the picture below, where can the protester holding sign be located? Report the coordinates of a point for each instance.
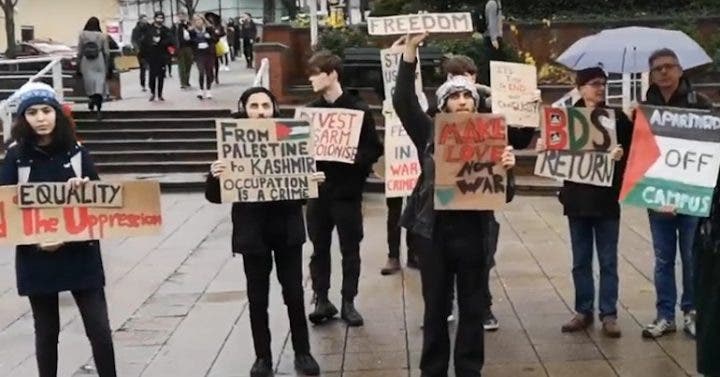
(340, 198)
(45, 150)
(669, 87)
(450, 238)
(259, 231)
(594, 218)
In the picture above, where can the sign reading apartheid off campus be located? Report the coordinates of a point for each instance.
(468, 151)
(513, 93)
(578, 141)
(53, 214)
(674, 160)
(402, 167)
(268, 160)
(390, 59)
(420, 23)
(336, 132)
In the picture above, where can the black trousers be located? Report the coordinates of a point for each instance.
(394, 230)
(492, 54)
(94, 313)
(143, 69)
(95, 102)
(288, 260)
(456, 252)
(157, 76)
(248, 50)
(324, 214)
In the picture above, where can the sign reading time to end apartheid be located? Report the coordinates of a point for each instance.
(402, 167)
(55, 213)
(336, 132)
(420, 23)
(513, 93)
(268, 160)
(468, 150)
(673, 161)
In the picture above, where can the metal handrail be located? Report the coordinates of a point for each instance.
(262, 78)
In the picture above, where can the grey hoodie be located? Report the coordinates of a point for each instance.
(494, 19)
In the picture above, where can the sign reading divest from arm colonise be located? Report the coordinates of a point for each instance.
(268, 160)
(420, 23)
(513, 93)
(336, 132)
(674, 160)
(578, 141)
(468, 150)
(55, 213)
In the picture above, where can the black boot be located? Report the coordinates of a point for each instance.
(261, 368)
(306, 364)
(350, 315)
(324, 309)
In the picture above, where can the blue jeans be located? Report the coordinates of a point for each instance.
(604, 233)
(666, 231)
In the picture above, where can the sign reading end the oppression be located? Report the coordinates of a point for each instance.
(420, 23)
(336, 132)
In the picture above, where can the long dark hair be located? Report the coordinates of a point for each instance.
(63, 136)
(93, 24)
(242, 102)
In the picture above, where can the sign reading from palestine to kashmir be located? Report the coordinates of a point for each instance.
(55, 213)
(268, 160)
(578, 142)
(420, 23)
(336, 132)
(468, 150)
(673, 161)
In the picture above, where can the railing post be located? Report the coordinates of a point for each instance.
(58, 80)
(6, 117)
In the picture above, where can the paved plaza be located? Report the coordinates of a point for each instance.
(178, 305)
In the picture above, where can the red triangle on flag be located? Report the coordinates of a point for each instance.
(643, 154)
(282, 131)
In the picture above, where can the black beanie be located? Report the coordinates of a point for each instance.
(159, 13)
(584, 76)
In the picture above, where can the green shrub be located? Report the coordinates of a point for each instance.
(475, 49)
(337, 40)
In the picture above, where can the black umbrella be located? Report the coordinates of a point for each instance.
(214, 18)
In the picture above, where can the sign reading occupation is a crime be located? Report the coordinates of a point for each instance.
(419, 23)
(468, 151)
(78, 215)
(513, 93)
(674, 160)
(578, 141)
(336, 132)
(402, 167)
(268, 160)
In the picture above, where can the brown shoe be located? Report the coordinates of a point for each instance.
(578, 323)
(610, 328)
(392, 266)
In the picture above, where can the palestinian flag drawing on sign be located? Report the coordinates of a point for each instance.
(674, 160)
(291, 130)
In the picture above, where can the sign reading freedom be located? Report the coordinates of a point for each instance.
(139, 215)
(269, 160)
(336, 132)
(420, 23)
(674, 160)
(468, 150)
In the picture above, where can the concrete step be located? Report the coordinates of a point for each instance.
(178, 155)
(144, 123)
(120, 146)
(154, 114)
(146, 134)
(145, 167)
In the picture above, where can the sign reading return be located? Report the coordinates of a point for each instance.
(76, 216)
(468, 150)
(268, 160)
(420, 23)
(336, 132)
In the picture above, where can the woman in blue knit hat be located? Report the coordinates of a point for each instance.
(44, 149)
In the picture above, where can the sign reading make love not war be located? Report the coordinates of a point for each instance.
(402, 167)
(420, 23)
(578, 141)
(673, 161)
(268, 160)
(468, 150)
(513, 93)
(336, 132)
(53, 212)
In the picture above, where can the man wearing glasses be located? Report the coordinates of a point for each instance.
(669, 87)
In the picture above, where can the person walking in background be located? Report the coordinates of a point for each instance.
(234, 38)
(202, 39)
(493, 34)
(94, 54)
(184, 50)
(248, 32)
(219, 32)
(157, 40)
(138, 34)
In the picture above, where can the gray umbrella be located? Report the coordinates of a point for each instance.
(626, 50)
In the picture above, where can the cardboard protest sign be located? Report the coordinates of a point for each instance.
(268, 160)
(402, 167)
(420, 23)
(60, 194)
(468, 173)
(674, 160)
(513, 93)
(336, 132)
(390, 59)
(139, 215)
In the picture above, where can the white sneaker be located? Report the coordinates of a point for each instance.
(200, 94)
(658, 328)
(208, 95)
(226, 68)
(689, 324)
(451, 318)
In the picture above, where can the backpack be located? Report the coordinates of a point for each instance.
(91, 50)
